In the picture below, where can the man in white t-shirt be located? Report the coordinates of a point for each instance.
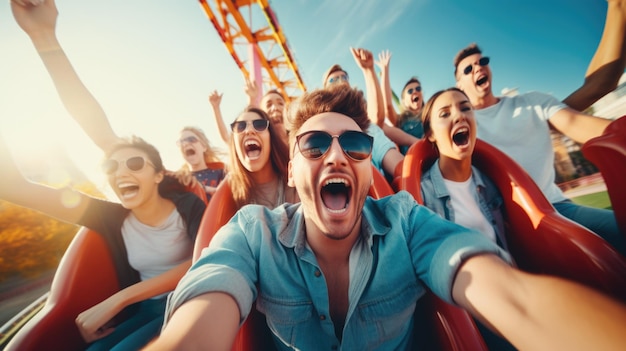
(520, 127)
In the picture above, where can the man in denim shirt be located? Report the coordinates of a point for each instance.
(342, 271)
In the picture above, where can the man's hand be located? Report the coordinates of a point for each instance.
(363, 58)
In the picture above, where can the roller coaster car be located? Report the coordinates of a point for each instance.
(608, 153)
(85, 276)
(539, 238)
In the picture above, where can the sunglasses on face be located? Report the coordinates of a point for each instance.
(343, 78)
(189, 139)
(133, 164)
(258, 124)
(417, 89)
(315, 144)
(483, 61)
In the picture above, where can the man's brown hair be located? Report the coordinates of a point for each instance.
(339, 98)
(469, 50)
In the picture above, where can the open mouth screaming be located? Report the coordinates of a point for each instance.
(336, 194)
(252, 149)
(461, 136)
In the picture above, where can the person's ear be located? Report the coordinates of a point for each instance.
(159, 177)
(290, 181)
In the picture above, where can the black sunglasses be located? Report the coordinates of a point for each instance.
(315, 144)
(134, 164)
(484, 61)
(417, 89)
(190, 139)
(258, 124)
(343, 78)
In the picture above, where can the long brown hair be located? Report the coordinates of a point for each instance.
(240, 179)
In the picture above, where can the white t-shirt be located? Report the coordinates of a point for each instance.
(155, 250)
(466, 209)
(518, 126)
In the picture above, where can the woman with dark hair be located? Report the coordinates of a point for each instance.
(150, 233)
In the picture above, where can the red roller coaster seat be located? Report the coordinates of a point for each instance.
(85, 276)
(608, 153)
(540, 240)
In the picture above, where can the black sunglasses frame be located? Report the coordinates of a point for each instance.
(111, 166)
(482, 62)
(417, 88)
(258, 124)
(341, 138)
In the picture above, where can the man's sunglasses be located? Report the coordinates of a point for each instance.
(258, 124)
(133, 164)
(190, 139)
(315, 144)
(483, 61)
(417, 89)
(343, 78)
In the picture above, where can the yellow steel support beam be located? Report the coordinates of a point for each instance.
(278, 67)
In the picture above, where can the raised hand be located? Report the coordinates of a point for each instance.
(383, 59)
(35, 17)
(251, 89)
(363, 58)
(215, 99)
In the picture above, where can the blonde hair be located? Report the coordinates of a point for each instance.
(211, 154)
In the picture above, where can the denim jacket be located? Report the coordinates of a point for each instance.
(263, 255)
(437, 198)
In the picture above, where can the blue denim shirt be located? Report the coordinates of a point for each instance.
(263, 255)
(437, 198)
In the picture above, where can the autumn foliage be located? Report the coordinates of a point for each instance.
(32, 243)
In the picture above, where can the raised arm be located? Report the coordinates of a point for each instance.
(252, 90)
(578, 126)
(608, 63)
(39, 23)
(215, 99)
(365, 60)
(64, 204)
(384, 59)
(539, 312)
(207, 322)
(92, 323)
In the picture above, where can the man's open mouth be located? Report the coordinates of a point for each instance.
(336, 194)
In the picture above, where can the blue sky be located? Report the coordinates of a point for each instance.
(152, 64)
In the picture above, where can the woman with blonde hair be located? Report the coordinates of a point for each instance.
(201, 159)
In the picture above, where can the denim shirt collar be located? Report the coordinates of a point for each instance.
(441, 190)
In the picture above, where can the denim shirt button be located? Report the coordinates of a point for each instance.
(317, 273)
(334, 347)
(322, 317)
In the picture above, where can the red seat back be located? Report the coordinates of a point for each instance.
(608, 153)
(540, 239)
(85, 276)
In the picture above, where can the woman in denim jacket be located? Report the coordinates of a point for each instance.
(452, 187)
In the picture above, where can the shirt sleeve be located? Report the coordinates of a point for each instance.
(227, 265)
(439, 248)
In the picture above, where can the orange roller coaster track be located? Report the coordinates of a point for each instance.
(278, 66)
